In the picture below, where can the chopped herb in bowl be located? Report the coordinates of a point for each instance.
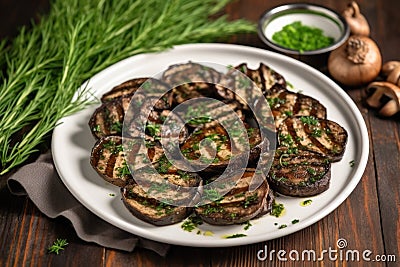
(297, 36)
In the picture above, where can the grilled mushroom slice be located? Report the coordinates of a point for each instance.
(109, 159)
(200, 152)
(164, 197)
(301, 174)
(151, 87)
(192, 90)
(287, 104)
(319, 135)
(190, 73)
(238, 205)
(160, 124)
(269, 81)
(124, 89)
(150, 210)
(199, 113)
(109, 117)
(246, 89)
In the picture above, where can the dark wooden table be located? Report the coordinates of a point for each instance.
(368, 219)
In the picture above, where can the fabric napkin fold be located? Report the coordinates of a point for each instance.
(41, 183)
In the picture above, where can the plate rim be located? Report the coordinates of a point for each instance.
(363, 143)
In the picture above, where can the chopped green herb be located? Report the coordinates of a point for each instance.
(189, 224)
(158, 187)
(235, 236)
(311, 171)
(96, 128)
(154, 130)
(309, 120)
(163, 208)
(275, 101)
(123, 171)
(286, 140)
(200, 120)
(282, 226)
(163, 165)
(316, 132)
(306, 202)
(250, 200)
(212, 195)
(239, 195)
(289, 113)
(209, 209)
(297, 36)
(295, 221)
(352, 163)
(247, 225)
(116, 127)
(277, 209)
(111, 195)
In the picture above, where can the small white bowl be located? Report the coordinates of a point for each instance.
(329, 21)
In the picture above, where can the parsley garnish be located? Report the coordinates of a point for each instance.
(310, 120)
(277, 209)
(282, 226)
(58, 245)
(247, 225)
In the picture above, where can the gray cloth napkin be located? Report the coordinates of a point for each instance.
(40, 181)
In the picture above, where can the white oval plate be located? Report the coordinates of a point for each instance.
(72, 143)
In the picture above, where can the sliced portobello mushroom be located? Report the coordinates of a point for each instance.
(190, 73)
(269, 81)
(309, 133)
(288, 104)
(109, 158)
(192, 90)
(162, 180)
(109, 117)
(160, 124)
(300, 174)
(124, 89)
(150, 87)
(209, 147)
(199, 113)
(238, 205)
(164, 195)
(149, 209)
(246, 89)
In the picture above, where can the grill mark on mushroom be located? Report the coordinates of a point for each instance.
(304, 173)
(319, 135)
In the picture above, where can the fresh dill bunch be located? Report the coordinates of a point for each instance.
(42, 68)
(57, 245)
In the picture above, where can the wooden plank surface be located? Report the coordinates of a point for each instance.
(367, 220)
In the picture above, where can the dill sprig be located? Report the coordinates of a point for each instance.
(57, 245)
(44, 65)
